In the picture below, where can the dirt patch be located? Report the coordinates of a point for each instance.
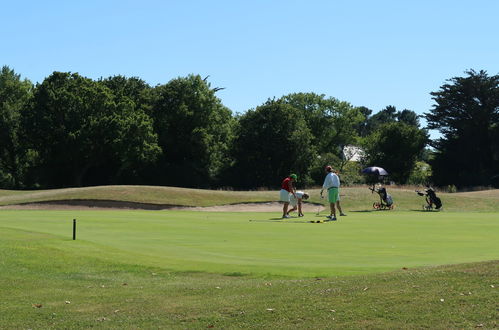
(119, 205)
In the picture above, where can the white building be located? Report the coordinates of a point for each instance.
(352, 153)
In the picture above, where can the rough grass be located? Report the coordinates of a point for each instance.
(353, 198)
(49, 288)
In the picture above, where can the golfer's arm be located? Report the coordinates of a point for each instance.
(291, 188)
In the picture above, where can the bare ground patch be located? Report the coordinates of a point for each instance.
(121, 205)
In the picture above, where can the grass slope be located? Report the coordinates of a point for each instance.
(353, 198)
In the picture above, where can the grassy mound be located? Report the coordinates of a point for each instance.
(353, 198)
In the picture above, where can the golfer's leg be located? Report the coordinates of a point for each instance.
(285, 209)
(333, 210)
(339, 207)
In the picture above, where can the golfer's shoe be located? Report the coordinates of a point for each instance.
(331, 218)
(343, 215)
(286, 216)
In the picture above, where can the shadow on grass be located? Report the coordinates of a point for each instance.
(267, 220)
(425, 211)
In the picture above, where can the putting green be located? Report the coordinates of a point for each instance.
(261, 245)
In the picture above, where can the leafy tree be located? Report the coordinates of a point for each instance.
(195, 132)
(390, 115)
(421, 174)
(135, 89)
(14, 96)
(333, 123)
(75, 125)
(466, 113)
(137, 94)
(408, 117)
(362, 127)
(272, 141)
(395, 147)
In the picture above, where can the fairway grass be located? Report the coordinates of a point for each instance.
(186, 269)
(44, 287)
(260, 245)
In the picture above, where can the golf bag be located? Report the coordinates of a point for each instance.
(432, 201)
(386, 200)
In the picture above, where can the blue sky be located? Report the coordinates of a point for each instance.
(369, 53)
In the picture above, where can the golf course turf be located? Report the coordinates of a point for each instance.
(184, 269)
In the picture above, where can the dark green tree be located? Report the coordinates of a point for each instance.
(466, 113)
(135, 89)
(362, 127)
(76, 127)
(195, 132)
(395, 147)
(333, 123)
(137, 93)
(389, 115)
(14, 96)
(408, 117)
(272, 141)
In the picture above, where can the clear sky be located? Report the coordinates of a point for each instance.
(370, 53)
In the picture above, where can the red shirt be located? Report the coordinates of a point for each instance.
(286, 184)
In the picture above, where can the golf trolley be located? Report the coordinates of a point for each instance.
(432, 201)
(386, 201)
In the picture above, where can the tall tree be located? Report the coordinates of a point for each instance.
(272, 141)
(75, 125)
(466, 113)
(137, 94)
(333, 123)
(390, 115)
(14, 96)
(395, 147)
(362, 127)
(195, 132)
(133, 88)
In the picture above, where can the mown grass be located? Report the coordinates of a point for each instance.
(185, 269)
(259, 244)
(45, 287)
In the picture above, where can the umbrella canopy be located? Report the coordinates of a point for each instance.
(375, 170)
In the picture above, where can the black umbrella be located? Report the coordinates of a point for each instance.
(375, 170)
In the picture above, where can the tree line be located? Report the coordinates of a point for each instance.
(72, 131)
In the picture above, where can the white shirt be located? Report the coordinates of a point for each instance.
(299, 194)
(331, 180)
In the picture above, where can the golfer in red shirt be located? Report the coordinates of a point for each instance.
(287, 189)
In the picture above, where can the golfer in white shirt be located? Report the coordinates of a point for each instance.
(332, 185)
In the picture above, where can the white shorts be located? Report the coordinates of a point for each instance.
(284, 196)
(293, 201)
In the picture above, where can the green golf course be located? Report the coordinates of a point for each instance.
(402, 268)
